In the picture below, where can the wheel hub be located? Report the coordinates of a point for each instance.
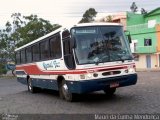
(30, 85)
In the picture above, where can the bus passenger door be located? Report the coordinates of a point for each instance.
(67, 50)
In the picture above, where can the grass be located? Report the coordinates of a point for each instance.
(7, 77)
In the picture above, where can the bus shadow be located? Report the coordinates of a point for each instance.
(49, 92)
(89, 97)
(94, 97)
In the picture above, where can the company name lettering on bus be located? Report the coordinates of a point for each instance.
(86, 31)
(52, 64)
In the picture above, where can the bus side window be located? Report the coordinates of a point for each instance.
(23, 56)
(18, 59)
(35, 51)
(28, 55)
(55, 47)
(44, 50)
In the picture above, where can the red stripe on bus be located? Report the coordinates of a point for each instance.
(33, 69)
(104, 67)
(115, 68)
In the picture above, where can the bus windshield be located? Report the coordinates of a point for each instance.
(99, 44)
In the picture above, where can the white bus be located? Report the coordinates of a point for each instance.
(84, 58)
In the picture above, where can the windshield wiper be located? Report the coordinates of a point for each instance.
(96, 60)
(123, 59)
(120, 58)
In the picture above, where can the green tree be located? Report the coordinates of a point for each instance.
(21, 30)
(33, 29)
(88, 16)
(5, 42)
(134, 7)
(143, 11)
(109, 18)
(2, 69)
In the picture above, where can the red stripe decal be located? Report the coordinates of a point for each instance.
(115, 68)
(34, 70)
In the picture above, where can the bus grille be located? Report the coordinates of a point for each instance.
(111, 73)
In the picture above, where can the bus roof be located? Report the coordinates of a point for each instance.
(97, 24)
(63, 28)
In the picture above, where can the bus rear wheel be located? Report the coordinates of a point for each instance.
(30, 86)
(64, 92)
(109, 91)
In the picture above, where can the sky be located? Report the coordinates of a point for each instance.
(65, 12)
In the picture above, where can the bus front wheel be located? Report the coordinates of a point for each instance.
(64, 92)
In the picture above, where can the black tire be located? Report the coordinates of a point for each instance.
(110, 91)
(30, 86)
(60, 90)
(64, 93)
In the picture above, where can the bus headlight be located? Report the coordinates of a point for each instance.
(95, 75)
(85, 76)
(82, 76)
(89, 75)
(126, 71)
(131, 70)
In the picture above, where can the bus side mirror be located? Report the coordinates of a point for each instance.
(129, 38)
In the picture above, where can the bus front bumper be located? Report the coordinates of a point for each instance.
(86, 86)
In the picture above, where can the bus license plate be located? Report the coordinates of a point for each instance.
(113, 85)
